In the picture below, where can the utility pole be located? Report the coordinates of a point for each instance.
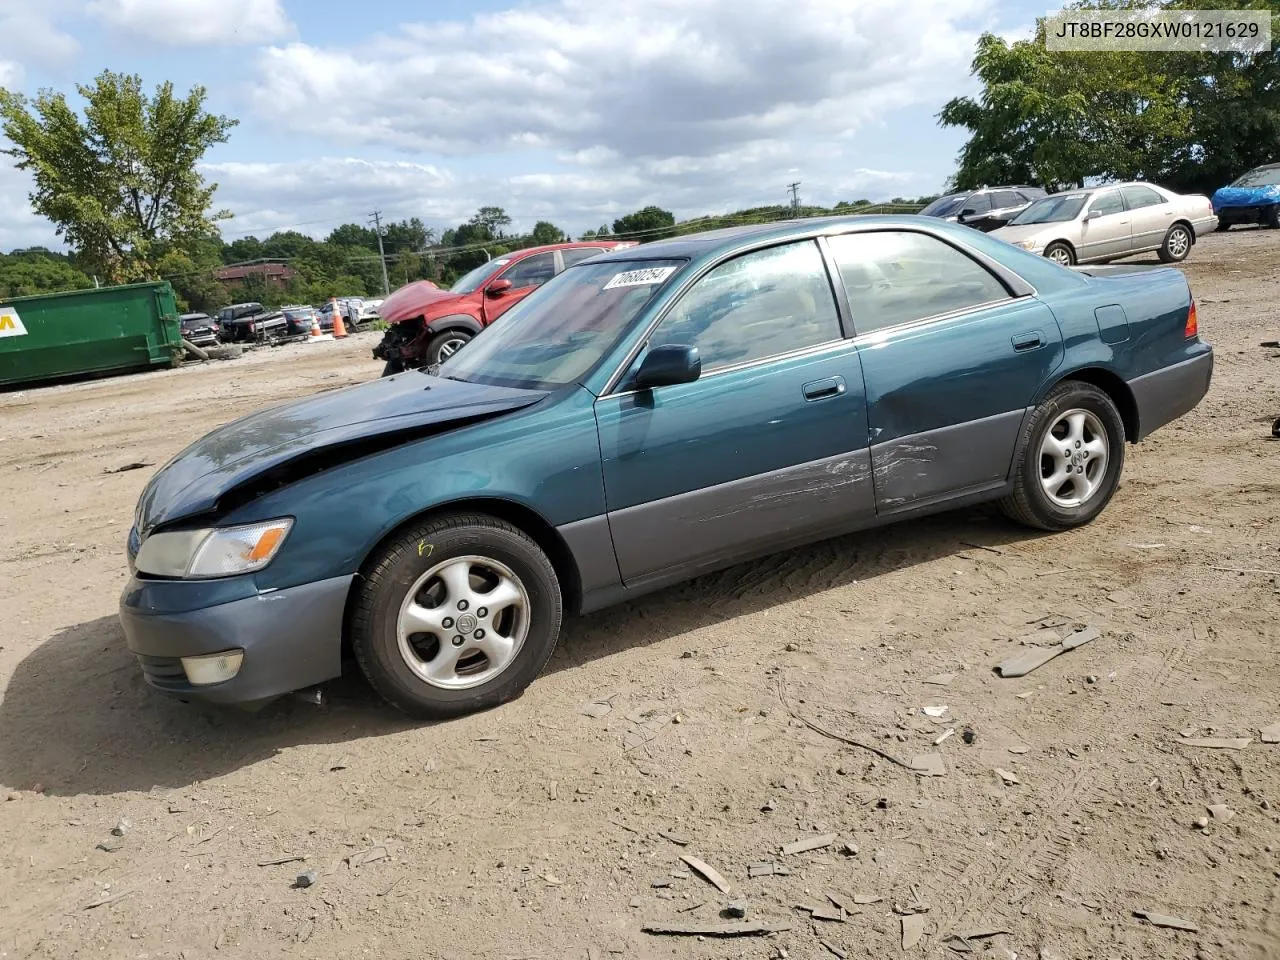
(795, 194)
(382, 257)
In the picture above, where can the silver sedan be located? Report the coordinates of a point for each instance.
(1109, 222)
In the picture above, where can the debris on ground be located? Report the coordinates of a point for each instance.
(1217, 743)
(279, 861)
(372, 855)
(934, 712)
(942, 738)
(111, 844)
(940, 679)
(863, 899)
(748, 928)
(600, 707)
(1221, 812)
(305, 880)
(1270, 734)
(768, 806)
(1202, 823)
(835, 951)
(912, 930)
(967, 735)
(1165, 920)
(1023, 663)
(809, 843)
(339, 763)
(675, 838)
(928, 765)
(764, 869)
(707, 872)
(123, 826)
(106, 898)
(1009, 778)
(138, 465)
(736, 909)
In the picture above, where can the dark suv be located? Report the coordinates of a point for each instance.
(984, 209)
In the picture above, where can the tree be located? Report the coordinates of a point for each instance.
(407, 235)
(493, 219)
(651, 223)
(354, 235)
(125, 177)
(37, 270)
(544, 233)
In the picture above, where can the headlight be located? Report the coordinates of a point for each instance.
(212, 552)
(1026, 244)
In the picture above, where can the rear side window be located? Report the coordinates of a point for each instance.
(896, 277)
(578, 254)
(759, 305)
(978, 203)
(1137, 197)
(1005, 198)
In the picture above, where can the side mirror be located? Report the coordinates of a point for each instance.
(1093, 215)
(497, 289)
(668, 364)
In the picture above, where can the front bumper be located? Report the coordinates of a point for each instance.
(1167, 394)
(291, 638)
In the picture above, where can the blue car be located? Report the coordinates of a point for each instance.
(646, 416)
(1251, 198)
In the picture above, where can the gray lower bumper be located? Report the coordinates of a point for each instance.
(1167, 394)
(291, 638)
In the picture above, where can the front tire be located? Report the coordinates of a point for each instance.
(457, 614)
(1177, 244)
(1060, 253)
(445, 345)
(1072, 454)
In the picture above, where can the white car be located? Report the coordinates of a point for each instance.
(1109, 222)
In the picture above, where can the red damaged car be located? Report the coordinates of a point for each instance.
(428, 325)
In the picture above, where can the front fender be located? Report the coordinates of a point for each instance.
(455, 321)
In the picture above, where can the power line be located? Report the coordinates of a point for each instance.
(382, 256)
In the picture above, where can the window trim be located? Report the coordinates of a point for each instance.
(976, 256)
(616, 378)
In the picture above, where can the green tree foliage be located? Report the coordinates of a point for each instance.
(124, 178)
(37, 270)
(544, 232)
(1192, 121)
(651, 223)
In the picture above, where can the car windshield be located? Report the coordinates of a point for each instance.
(944, 206)
(559, 333)
(470, 282)
(1260, 177)
(1052, 210)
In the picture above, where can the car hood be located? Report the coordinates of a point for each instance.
(1245, 196)
(415, 300)
(1030, 231)
(408, 405)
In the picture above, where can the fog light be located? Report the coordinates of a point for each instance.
(213, 668)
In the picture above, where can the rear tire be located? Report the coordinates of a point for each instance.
(436, 576)
(444, 345)
(1222, 226)
(1177, 244)
(1272, 217)
(1057, 484)
(1060, 253)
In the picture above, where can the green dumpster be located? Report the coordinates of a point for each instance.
(107, 330)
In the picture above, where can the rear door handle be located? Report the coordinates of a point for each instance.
(823, 389)
(1028, 341)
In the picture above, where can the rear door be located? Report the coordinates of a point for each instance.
(1149, 214)
(766, 448)
(1105, 230)
(951, 361)
(526, 276)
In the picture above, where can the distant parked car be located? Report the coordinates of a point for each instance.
(371, 310)
(1110, 222)
(1252, 198)
(250, 322)
(299, 320)
(199, 329)
(349, 307)
(984, 209)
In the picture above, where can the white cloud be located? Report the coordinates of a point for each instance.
(19, 227)
(11, 74)
(664, 78)
(29, 34)
(195, 22)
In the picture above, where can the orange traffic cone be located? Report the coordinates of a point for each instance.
(315, 324)
(339, 329)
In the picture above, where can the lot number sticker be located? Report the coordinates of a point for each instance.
(11, 323)
(640, 278)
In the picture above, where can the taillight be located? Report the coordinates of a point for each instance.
(1193, 324)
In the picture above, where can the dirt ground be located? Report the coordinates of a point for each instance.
(541, 830)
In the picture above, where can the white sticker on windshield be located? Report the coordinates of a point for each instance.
(639, 278)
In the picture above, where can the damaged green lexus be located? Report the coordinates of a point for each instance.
(648, 415)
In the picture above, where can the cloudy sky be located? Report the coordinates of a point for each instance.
(569, 110)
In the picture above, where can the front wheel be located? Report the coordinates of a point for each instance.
(1072, 455)
(1060, 253)
(445, 345)
(1177, 244)
(457, 614)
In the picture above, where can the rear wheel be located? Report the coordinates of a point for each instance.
(445, 345)
(1072, 456)
(1223, 226)
(1060, 253)
(458, 614)
(1177, 244)
(1272, 217)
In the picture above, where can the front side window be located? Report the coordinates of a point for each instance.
(978, 203)
(532, 271)
(1107, 203)
(759, 305)
(1057, 209)
(1138, 197)
(1259, 177)
(893, 277)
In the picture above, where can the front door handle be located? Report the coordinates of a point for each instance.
(1028, 341)
(823, 389)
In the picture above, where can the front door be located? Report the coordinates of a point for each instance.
(765, 448)
(951, 363)
(1106, 230)
(1150, 216)
(526, 276)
